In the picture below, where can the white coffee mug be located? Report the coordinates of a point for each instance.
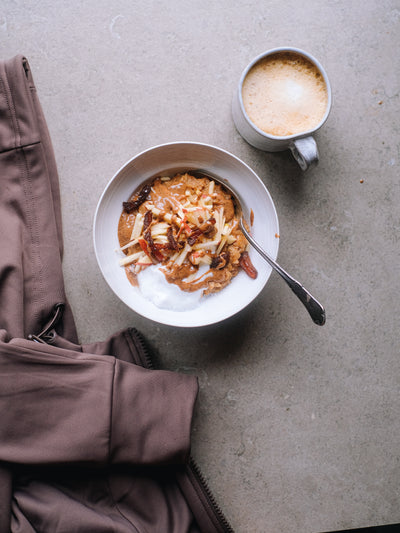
(302, 144)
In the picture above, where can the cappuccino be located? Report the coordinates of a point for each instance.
(285, 94)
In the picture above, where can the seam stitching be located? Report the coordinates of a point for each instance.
(7, 91)
(111, 412)
(32, 224)
(34, 238)
(109, 450)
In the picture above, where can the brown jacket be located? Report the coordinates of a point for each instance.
(92, 439)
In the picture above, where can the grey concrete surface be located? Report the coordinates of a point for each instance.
(297, 427)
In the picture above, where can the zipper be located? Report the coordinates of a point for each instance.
(194, 473)
(139, 343)
(196, 477)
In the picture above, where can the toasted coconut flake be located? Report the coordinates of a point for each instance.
(157, 212)
(227, 230)
(144, 260)
(130, 259)
(221, 244)
(160, 228)
(174, 257)
(205, 260)
(161, 239)
(182, 256)
(137, 226)
(220, 220)
(207, 245)
(129, 244)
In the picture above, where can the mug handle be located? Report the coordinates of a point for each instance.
(305, 152)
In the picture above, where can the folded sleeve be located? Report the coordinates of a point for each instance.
(60, 406)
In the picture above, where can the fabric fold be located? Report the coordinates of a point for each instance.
(31, 277)
(158, 403)
(19, 125)
(90, 409)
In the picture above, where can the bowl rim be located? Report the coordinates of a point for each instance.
(103, 195)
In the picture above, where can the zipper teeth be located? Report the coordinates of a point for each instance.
(140, 344)
(144, 353)
(227, 528)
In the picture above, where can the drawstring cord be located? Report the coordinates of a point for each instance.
(45, 336)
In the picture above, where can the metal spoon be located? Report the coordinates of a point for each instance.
(315, 309)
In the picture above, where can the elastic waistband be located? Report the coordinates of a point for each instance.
(18, 120)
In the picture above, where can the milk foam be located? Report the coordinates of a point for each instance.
(285, 94)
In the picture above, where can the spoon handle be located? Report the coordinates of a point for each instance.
(315, 309)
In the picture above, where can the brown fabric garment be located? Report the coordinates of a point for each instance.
(109, 410)
(83, 411)
(89, 440)
(30, 231)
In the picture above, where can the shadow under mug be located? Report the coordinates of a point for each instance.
(302, 145)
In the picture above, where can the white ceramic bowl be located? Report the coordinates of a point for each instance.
(167, 159)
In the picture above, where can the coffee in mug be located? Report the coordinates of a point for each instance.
(285, 94)
(282, 99)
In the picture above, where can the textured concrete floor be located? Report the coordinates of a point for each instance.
(297, 427)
